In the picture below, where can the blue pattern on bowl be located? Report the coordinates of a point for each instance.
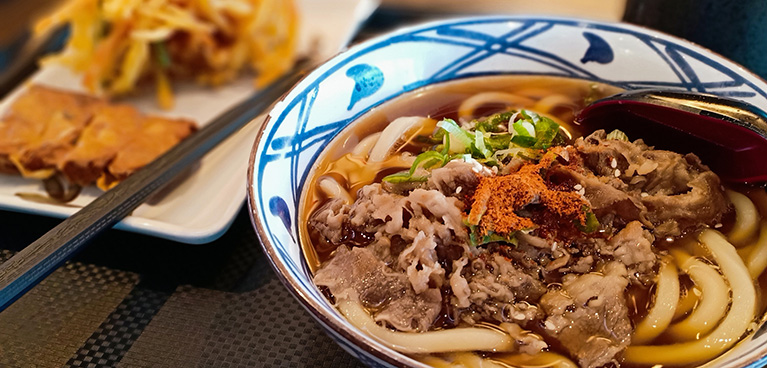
(599, 50)
(378, 70)
(367, 80)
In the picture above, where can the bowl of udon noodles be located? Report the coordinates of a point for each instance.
(428, 198)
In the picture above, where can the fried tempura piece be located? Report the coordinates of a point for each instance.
(14, 136)
(118, 141)
(157, 135)
(86, 139)
(111, 129)
(42, 124)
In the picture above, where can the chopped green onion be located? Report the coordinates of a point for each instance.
(404, 177)
(497, 142)
(477, 239)
(479, 143)
(487, 142)
(425, 160)
(529, 115)
(618, 135)
(425, 157)
(524, 128)
(592, 223)
(545, 131)
(523, 141)
(493, 123)
(463, 139)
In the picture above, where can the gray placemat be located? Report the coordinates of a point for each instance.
(108, 344)
(48, 325)
(259, 328)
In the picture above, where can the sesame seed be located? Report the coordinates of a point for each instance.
(614, 163)
(578, 187)
(459, 189)
(644, 194)
(617, 173)
(717, 226)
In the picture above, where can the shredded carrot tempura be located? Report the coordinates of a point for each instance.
(116, 43)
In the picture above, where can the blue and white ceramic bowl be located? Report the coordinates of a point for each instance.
(368, 74)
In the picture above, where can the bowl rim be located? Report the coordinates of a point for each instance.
(336, 323)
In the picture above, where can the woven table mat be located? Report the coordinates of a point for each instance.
(262, 327)
(47, 326)
(231, 310)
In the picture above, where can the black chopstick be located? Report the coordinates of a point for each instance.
(33, 263)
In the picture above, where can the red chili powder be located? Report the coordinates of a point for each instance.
(497, 198)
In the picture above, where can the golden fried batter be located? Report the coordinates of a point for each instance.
(111, 128)
(41, 125)
(157, 135)
(85, 138)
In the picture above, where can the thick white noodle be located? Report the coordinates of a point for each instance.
(662, 311)
(365, 145)
(744, 252)
(713, 303)
(746, 218)
(469, 105)
(544, 359)
(759, 197)
(757, 258)
(687, 302)
(332, 189)
(546, 104)
(436, 362)
(394, 136)
(540, 360)
(441, 341)
(727, 333)
(460, 360)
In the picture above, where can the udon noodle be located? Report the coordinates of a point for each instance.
(472, 224)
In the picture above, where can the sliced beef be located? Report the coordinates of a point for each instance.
(402, 188)
(526, 342)
(542, 258)
(329, 219)
(357, 274)
(607, 195)
(458, 179)
(632, 246)
(665, 190)
(414, 235)
(389, 222)
(589, 317)
(703, 202)
(501, 292)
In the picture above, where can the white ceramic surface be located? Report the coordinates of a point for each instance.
(201, 206)
(345, 87)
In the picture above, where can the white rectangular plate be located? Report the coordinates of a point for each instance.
(200, 206)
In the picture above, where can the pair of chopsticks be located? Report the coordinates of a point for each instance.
(33, 263)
